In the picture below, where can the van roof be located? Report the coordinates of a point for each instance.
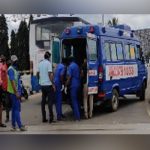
(119, 31)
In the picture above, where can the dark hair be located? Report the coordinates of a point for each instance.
(71, 59)
(64, 60)
(47, 55)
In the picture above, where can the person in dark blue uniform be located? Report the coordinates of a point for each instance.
(73, 80)
(59, 84)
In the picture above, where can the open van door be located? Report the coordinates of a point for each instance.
(92, 64)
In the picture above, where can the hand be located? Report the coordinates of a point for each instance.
(18, 95)
(65, 90)
(62, 87)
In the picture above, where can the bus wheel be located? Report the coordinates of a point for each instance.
(142, 92)
(114, 102)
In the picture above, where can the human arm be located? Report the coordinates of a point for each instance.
(51, 76)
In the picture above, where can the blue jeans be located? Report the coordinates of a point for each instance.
(16, 109)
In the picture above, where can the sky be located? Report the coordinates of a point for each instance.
(135, 21)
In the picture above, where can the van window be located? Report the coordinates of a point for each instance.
(137, 51)
(92, 49)
(132, 52)
(113, 51)
(107, 51)
(119, 51)
(127, 51)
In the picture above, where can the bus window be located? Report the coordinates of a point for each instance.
(45, 34)
(113, 51)
(119, 51)
(137, 51)
(127, 52)
(107, 51)
(132, 52)
(92, 49)
(38, 33)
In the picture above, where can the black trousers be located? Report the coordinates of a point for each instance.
(47, 94)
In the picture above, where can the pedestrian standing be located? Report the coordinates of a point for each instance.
(1, 93)
(4, 85)
(45, 76)
(59, 78)
(73, 80)
(15, 95)
(87, 99)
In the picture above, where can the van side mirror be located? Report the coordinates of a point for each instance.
(142, 59)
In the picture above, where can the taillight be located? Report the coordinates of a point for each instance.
(91, 30)
(100, 71)
(67, 30)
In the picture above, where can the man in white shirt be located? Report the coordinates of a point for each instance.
(45, 76)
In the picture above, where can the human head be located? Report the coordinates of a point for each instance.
(3, 58)
(8, 63)
(71, 59)
(64, 61)
(47, 55)
(14, 60)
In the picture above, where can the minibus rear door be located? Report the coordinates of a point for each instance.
(92, 64)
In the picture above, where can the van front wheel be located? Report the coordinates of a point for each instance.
(114, 102)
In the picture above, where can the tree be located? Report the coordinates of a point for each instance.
(23, 46)
(30, 20)
(113, 22)
(4, 49)
(13, 43)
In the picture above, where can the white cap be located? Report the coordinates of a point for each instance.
(14, 58)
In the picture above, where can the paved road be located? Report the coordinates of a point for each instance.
(131, 116)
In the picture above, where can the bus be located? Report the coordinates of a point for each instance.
(115, 65)
(45, 36)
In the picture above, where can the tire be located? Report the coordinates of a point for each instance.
(142, 92)
(114, 101)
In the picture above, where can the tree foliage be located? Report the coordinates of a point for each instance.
(23, 46)
(4, 49)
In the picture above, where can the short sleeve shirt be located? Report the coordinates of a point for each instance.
(74, 72)
(44, 68)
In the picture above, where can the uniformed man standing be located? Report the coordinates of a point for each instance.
(15, 95)
(59, 84)
(73, 80)
(45, 76)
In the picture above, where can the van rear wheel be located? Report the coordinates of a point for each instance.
(142, 92)
(114, 101)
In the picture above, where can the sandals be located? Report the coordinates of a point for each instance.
(2, 125)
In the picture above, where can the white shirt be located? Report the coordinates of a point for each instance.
(44, 68)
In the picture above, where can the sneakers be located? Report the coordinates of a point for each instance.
(45, 120)
(52, 121)
(13, 129)
(23, 128)
(3, 125)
